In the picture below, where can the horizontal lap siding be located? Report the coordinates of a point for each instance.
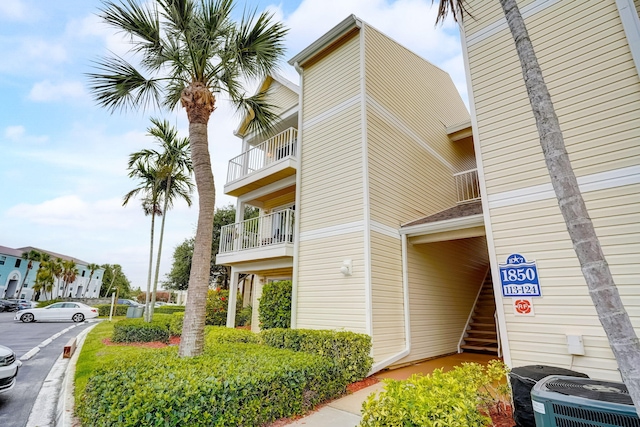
(415, 92)
(387, 296)
(281, 97)
(332, 80)
(331, 180)
(590, 73)
(405, 181)
(326, 298)
(537, 231)
(444, 279)
(331, 194)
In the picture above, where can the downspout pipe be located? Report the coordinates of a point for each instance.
(407, 314)
(296, 222)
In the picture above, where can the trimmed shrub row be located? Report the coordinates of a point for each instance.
(232, 385)
(137, 330)
(169, 309)
(175, 324)
(349, 350)
(120, 310)
(220, 335)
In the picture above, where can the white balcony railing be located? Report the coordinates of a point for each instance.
(267, 230)
(281, 146)
(467, 186)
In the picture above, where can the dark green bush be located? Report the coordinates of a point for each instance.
(120, 310)
(348, 350)
(137, 330)
(175, 324)
(222, 335)
(231, 385)
(459, 398)
(169, 309)
(275, 305)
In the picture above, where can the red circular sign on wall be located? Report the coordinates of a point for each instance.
(522, 306)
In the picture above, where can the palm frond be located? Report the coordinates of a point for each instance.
(456, 8)
(261, 112)
(141, 23)
(258, 44)
(121, 86)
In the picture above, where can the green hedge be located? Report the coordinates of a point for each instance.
(275, 305)
(137, 330)
(459, 398)
(103, 310)
(231, 385)
(221, 335)
(349, 351)
(175, 324)
(169, 309)
(216, 308)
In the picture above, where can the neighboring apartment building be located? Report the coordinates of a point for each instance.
(374, 138)
(14, 270)
(589, 52)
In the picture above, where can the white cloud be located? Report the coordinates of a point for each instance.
(19, 134)
(29, 55)
(45, 91)
(14, 10)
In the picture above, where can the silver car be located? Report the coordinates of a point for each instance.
(75, 311)
(9, 367)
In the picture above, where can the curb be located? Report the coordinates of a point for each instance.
(55, 401)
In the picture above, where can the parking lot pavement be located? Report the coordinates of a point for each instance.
(22, 338)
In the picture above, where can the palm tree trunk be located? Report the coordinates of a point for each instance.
(602, 289)
(192, 341)
(146, 297)
(155, 280)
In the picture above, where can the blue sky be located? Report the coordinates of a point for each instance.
(63, 159)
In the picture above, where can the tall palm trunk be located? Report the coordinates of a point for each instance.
(146, 297)
(602, 289)
(199, 104)
(155, 280)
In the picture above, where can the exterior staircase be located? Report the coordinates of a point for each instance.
(481, 334)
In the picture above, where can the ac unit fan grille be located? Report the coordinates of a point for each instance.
(591, 418)
(592, 389)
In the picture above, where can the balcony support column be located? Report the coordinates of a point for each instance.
(233, 296)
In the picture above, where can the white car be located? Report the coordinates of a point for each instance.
(9, 366)
(75, 311)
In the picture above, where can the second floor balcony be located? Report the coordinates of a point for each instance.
(467, 186)
(267, 236)
(267, 162)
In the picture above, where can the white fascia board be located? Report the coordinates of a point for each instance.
(445, 225)
(458, 127)
(346, 25)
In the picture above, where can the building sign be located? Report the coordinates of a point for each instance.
(523, 307)
(519, 278)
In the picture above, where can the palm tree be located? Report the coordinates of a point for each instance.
(614, 319)
(57, 271)
(44, 278)
(92, 268)
(174, 168)
(69, 274)
(30, 256)
(192, 52)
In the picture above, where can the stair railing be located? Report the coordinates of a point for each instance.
(473, 310)
(495, 317)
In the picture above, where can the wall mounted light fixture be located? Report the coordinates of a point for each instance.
(346, 268)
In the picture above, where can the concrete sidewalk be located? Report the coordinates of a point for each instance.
(343, 412)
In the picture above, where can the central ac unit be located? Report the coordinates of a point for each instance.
(560, 401)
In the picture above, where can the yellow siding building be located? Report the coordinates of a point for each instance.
(589, 52)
